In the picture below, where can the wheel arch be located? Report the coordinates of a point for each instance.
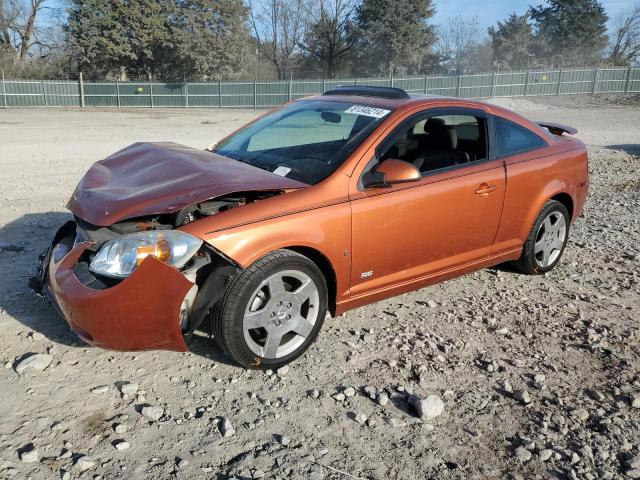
(556, 190)
(565, 199)
(325, 266)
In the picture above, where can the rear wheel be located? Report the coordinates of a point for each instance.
(546, 241)
(272, 311)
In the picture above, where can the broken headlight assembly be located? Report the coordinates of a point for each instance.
(119, 257)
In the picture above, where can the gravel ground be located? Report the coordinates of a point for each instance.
(515, 376)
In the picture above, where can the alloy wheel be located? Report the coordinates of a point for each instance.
(550, 239)
(281, 314)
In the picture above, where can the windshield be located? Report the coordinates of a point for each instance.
(305, 141)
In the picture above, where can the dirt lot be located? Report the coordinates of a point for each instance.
(569, 339)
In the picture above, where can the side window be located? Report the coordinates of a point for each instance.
(438, 142)
(511, 138)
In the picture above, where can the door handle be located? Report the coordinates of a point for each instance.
(485, 189)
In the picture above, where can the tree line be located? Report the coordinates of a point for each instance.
(181, 40)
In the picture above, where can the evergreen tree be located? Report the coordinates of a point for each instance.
(162, 39)
(211, 38)
(393, 36)
(571, 32)
(513, 43)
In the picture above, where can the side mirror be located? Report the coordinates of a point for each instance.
(390, 172)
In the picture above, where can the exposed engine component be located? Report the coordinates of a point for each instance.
(215, 206)
(99, 235)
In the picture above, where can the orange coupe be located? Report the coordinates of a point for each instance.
(326, 204)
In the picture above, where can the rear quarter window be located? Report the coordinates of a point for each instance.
(511, 138)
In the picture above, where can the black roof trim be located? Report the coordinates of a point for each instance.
(369, 91)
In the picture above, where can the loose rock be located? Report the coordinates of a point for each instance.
(33, 363)
(522, 396)
(29, 454)
(152, 413)
(121, 445)
(226, 428)
(523, 454)
(129, 388)
(84, 463)
(349, 392)
(431, 406)
(546, 454)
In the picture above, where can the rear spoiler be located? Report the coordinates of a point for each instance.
(558, 128)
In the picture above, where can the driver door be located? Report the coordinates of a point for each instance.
(406, 233)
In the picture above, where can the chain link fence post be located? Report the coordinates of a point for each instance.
(596, 74)
(118, 92)
(459, 88)
(81, 85)
(628, 80)
(186, 95)
(526, 84)
(44, 93)
(4, 91)
(559, 82)
(255, 95)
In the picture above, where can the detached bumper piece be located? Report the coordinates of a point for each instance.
(141, 312)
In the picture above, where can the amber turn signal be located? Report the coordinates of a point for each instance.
(161, 250)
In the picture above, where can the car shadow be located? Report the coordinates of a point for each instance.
(630, 148)
(26, 238)
(21, 243)
(205, 346)
(506, 267)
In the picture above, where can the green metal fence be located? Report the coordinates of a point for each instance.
(54, 93)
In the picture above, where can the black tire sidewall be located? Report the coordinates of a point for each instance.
(245, 285)
(529, 257)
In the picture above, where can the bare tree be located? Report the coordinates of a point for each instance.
(458, 41)
(19, 28)
(328, 43)
(279, 26)
(625, 48)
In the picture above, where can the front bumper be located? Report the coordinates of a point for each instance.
(142, 312)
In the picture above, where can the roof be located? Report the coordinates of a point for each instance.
(368, 91)
(390, 99)
(387, 97)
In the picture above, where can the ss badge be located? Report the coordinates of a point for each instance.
(366, 274)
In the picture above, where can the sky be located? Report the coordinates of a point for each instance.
(490, 11)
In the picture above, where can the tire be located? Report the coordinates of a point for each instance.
(281, 298)
(547, 240)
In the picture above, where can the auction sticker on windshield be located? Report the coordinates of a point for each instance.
(367, 111)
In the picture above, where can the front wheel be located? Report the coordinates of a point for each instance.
(272, 311)
(546, 241)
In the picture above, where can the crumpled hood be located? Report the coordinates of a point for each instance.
(157, 178)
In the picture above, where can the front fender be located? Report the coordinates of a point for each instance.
(326, 229)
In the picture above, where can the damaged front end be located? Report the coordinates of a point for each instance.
(154, 306)
(123, 274)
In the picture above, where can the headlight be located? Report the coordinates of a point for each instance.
(121, 256)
